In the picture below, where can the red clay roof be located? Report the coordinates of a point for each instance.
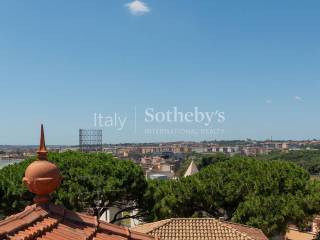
(199, 229)
(52, 222)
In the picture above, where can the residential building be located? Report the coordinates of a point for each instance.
(226, 150)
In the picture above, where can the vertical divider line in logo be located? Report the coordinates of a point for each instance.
(135, 120)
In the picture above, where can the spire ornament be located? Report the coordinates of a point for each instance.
(42, 152)
(42, 177)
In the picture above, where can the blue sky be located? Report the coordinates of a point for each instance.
(63, 61)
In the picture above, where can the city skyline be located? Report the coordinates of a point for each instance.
(62, 62)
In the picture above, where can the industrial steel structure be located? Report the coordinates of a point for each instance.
(90, 140)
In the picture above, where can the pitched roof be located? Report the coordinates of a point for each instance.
(52, 222)
(192, 169)
(199, 229)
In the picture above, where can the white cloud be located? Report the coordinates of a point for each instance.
(268, 101)
(138, 8)
(297, 98)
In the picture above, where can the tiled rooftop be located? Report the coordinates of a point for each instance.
(199, 229)
(52, 222)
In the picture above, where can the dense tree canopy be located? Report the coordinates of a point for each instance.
(88, 180)
(13, 195)
(307, 159)
(264, 194)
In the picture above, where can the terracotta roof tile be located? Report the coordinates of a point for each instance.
(199, 229)
(52, 222)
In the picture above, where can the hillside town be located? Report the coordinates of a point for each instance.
(244, 147)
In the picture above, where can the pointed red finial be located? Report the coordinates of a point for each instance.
(42, 152)
(42, 177)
